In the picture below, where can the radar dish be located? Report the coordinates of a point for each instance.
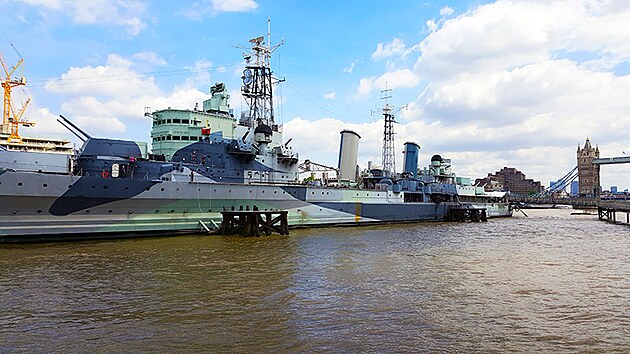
(247, 77)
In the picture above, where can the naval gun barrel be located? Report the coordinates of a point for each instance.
(69, 122)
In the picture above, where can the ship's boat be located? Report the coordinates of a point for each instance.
(203, 162)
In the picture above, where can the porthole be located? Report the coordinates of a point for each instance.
(126, 188)
(87, 211)
(44, 185)
(162, 189)
(275, 192)
(105, 187)
(69, 186)
(93, 187)
(39, 211)
(157, 210)
(109, 211)
(20, 184)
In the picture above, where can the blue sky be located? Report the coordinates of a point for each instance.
(487, 83)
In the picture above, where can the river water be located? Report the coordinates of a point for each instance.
(550, 283)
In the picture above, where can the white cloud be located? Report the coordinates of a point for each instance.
(389, 80)
(106, 99)
(123, 13)
(201, 71)
(150, 58)
(446, 11)
(115, 78)
(508, 84)
(348, 69)
(202, 8)
(395, 47)
(330, 95)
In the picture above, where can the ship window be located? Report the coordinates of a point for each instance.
(168, 137)
(176, 121)
(163, 121)
(176, 137)
(185, 121)
(168, 121)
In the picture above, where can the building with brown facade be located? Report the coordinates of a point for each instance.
(510, 179)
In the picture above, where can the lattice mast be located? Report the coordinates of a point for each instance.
(12, 119)
(258, 81)
(389, 157)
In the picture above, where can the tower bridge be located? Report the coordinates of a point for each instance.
(587, 172)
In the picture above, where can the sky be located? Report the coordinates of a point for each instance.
(488, 84)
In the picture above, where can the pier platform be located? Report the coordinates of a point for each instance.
(467, 212)
(254, 223)
(607, 210)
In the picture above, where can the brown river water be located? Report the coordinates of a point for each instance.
(548, 283)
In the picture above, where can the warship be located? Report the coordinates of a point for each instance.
(205, 161)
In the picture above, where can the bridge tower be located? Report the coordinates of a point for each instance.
(588, 174)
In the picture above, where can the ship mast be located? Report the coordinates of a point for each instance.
(257, 80)
(389, 158)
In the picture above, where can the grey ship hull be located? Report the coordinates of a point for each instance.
(41, 206)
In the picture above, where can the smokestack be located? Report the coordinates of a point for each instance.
(348, 151)
(412, 150)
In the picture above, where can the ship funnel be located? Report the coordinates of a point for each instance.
(412, 150)
(348, 151)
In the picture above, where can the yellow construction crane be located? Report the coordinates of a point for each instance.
(11, 120)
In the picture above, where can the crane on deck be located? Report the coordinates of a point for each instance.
(12, 119)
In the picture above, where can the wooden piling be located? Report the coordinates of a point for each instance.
(254, 223)
(463, 213)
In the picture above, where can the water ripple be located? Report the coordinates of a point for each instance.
(549, 283)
